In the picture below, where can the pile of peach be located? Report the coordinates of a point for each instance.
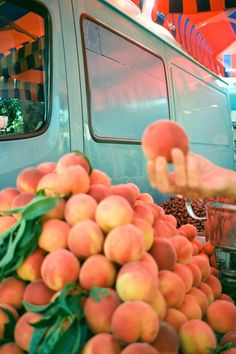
(163, 296)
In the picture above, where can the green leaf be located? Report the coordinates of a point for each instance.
(9, 327)
(36, 308)
(96, 293)
(39, 206)
(37, 338)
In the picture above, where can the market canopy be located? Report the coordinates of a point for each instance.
(206, 29)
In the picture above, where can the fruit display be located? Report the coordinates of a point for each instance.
(88, 267)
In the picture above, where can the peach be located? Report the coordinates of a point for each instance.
(99, 191)
(10, 348)
(135, 189)
(183, 248)
(54, 235)
(5, 317)
(158, 303)
(58, 268)
(124, 190)
(163, 228)
(73, 180)
(24, 331)
(197, 274)
(97, 270)
(190, 308)
(197, 337)
(171, 219)
(213, 261)
(21, 199)
(207, 290)
(6, 223)
(134, 321)
(139, 348)
(185, 274)
(124, 243)
(47, 167)
(30, 269)
(209, 248)
(175, 318)
(160, 137)
(146, 198)
(221, 316)
(195, 248)
(113, 211)
(167, 340)
(215, 284)
(164, 253)
(136, 281)
(12, 291)
(7, 195)
(189, 231)
(229, 337)
(37, 293)
(157, 211)
(147, 257)
(225, 297)
(98, 314)
(48, 184)
(204, 265)
(85, 239)
(172, 288)
(143, 211)
(146, 229)
(57, 212)
(99, 177)
(229, 351)
(74, 158)
(200, 298)
(27, 180)
(80, 207)
(102, 343)
(199, 245)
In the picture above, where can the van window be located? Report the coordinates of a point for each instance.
(23, 68)
(127, 85)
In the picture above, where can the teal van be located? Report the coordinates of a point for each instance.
(90, 75)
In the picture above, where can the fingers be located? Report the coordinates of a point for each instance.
(159, 175)
(179, 162)
(193, 177)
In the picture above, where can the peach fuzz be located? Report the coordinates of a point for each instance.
(54, 235)
(139, 348)
(10, 348)
(6, 223)
(113, 211)
(146, 198)
(73, 180)
(190, 308)
(215, 284)
(171, 219)
(163, 228)
(135, 188)
(85, 239)
(4, 317)
(183, 248)
(175, 318)
(136, 281)
(146, 230)
(7, 195)
(12, 291)
(58, 268)
(200, 298)
(172, 288)
(167, 340)
(143, 211)
(125, 191)
(57, 212)
(20, 200)
(48, 184)
(197, 274)
(74, 158)
(197, 337)
(97, 270)
(147, 257)
(47, 167)
(158, 303)
(134, 321)
(24, 331)
(207, 290)
(99, 192)
(204, 265)
(98, 314)
(99, 177)
(80, 207)
(30, 269)
(189, 231)
(161, 136)
(157, 210)
(221, 316)
(28, 179)
(102, 343)
(124, 243)
(164, 253)
(185, 274)
(37, 293)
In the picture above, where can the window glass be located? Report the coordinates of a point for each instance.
(22, 69)
(127, 85)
